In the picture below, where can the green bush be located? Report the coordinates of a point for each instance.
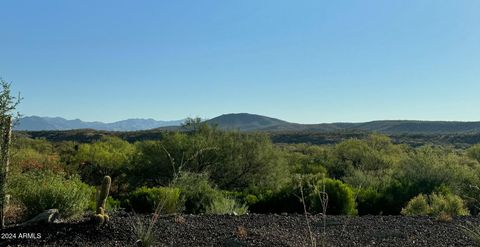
(26, 159)
(437, 204)
(145, 200)
(422, 171)
(341, 199)
(250, 199)
(111, 205)
(107, 157)
(223, 205)
(474, 152)
(371, 201)
(449, 204)
(284, 201)
(235, 161)
(241, 197)
(201, 197)
(417, 206)
(42, 190)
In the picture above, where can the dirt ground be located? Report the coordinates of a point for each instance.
(248, 230)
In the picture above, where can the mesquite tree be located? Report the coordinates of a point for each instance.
(8, 104)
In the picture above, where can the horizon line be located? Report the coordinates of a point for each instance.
(206, 119)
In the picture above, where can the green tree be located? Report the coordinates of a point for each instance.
(233, 160)
(108, 157)
(248, 162)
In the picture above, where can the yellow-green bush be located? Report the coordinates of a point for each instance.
(340, 197)
(200, 196)
(42, 190)
(417, 206)
(224, 205)
(448, 204)
(474, 152)
(145, 200)
(437, 204)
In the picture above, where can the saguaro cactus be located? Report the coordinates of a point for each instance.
(101, 217)
(6, 130)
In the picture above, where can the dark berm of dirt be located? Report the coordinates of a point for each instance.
(248, 230)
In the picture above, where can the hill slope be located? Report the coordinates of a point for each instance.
(252, 122)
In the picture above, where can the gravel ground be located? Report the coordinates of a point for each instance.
(248, 230)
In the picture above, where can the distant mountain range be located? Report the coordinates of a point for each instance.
(35, 123)
(252, 122)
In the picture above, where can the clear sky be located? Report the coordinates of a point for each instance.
(301, 61)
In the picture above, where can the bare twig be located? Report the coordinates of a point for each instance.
(313, 241)
(323, 196)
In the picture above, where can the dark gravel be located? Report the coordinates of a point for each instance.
(251, 230)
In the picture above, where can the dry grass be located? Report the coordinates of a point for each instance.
(240, 232)
(444, 217)
(15, 212)
(180, 220)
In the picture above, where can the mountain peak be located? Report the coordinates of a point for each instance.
(246, 122)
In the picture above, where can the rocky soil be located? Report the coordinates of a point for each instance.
(248, 230)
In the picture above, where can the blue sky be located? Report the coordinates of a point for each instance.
(301, 61)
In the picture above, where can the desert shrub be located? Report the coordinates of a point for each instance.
(284, 201)
(368, 201)
(223, 205)
(304, 158)
(247, 162)
(67, 151)
(42, 190)
(197, 192)
(200, 196)
(374, 190)
(243, 198)
(387, 199)
(448, 204)
(441, 205)
(151, 165)
(288, 200)
(111, 204)
(417, 206)
(250, 199)
(234, 161)
(376, 153)
(145, 200)
(474, 152)
(39, 145)
(107, 157)
(421, 171)
(33, 154)
(345, 157)
(15, 212)
(369, 167)
(341, 198)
